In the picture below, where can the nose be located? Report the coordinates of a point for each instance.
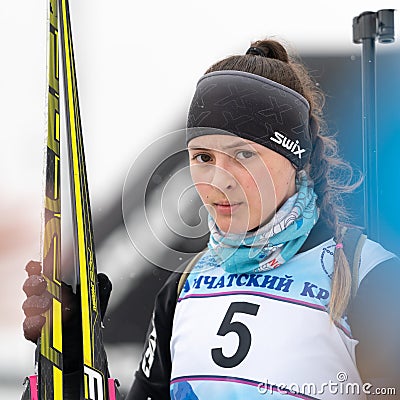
(223, 178)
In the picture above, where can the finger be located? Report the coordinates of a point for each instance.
(36, 305)
(34, 285)
(33, 268)
(32, 327)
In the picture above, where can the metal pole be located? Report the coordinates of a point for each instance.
(366, 28)
(370, 142)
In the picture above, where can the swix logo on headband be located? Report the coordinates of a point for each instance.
(288, 144)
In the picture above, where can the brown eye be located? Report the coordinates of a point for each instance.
(202, 158)
(244, 154)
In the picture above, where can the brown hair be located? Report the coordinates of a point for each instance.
(331, 175)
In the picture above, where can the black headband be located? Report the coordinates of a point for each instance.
(254, 108)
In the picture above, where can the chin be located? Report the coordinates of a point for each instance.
(229, 227)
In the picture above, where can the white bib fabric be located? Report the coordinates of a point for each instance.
(254, 336)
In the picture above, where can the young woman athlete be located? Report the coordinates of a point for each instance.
(272, 307)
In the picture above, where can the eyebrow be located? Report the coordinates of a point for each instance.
(230, 146)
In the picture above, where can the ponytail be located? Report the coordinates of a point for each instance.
(341, 280)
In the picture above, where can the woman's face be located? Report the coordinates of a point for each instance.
(241, 183)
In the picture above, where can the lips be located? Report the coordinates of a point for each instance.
(226, 208)
(226, 203)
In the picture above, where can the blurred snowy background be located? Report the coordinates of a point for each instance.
(137, 66)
